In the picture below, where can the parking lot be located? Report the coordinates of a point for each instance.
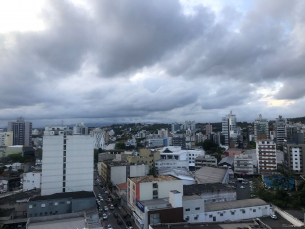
(242, 193)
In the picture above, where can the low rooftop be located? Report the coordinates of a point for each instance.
(193, 197)
(153, 178)
(200, 188)
(73, 195)
(234, 204)
(209, 174)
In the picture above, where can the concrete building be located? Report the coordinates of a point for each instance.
(155, 142)
(8, 138)
(227, 161)
(171, 163)
(99, 138)
(158, 211)
(117, 172)
(280, 130)
(189, 125)
(31, 180)
(232, 152)
(209, 174)
(150, 187)
(261, 128)
(35, 132)
(294, 153)
(19, 149)
(229, 127)
(175, 127)
(266, 156)
(60, 203)
(243, 164)
(211, 192)
(114, 154)
(179, 141)
(145, 156)
(22, 132)
(208, 129)
(163, 133)
(67, 161)
(176, 152)
(121, 189)
(205, 160)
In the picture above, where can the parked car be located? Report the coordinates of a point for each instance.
(116, 215)
(273, 216)
(109, 226)
(105, 208)
(128, 223)
(105, 217)
(111, 207)
(109, 199)
(242, 187)
(119, 221)
(106, 192)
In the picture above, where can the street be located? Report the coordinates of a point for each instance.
(110, 213)
(242, 193)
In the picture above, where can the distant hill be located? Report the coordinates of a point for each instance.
(299, 119)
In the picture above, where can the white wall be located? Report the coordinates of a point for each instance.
(138, 170)
(31, 181)
(166, 186)
(118, 174)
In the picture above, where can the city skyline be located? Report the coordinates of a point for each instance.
(148, 62)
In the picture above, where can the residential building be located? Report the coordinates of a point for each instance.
(117, 172)
(175, 127)
(179, 141)
(266, 156)
(155, 142)
(35, 132)
(2, 138)
(60, 203)
(208, 129)
(19, 149)
(209, 174)
(121, 189)
(145, 156)
(229, 127)
(176, 152)
(294, 153)
(243, 164)
(99, 138)
(67, 160)
(205, 160)
(31, 180)
(280, 130)
(151, 187)
(232, 152)
(22, 132)
(114, 154)
(171, 163)
(189, 125)
(163, 133)
(211, 192)
(261, 128)
(8, 138)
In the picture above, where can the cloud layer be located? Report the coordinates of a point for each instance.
(155, 61)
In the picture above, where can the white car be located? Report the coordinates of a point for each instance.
(242, 187)
(105, 216)
(273, 216)
(105, 208)
(109, 226)
(106, 192)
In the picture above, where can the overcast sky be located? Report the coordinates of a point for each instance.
(102, 61)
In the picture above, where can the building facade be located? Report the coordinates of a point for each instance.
(208, 129)
(243, 164)
(280, 130)
(22, 132)
(266, 156)
(67, 161)
(31, 180)
(205, 160)
(261, 128)
(229, 127)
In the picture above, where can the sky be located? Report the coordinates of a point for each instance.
(150, 61)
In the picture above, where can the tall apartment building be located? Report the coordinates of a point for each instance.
(280, 130)
(294, 150)
(175, 127)
(67, 162)
(208, 129)
(261, 128)
(189, 125)
(163, 133)
(99, 138)
(22, 132)
(229, 127)
(266, 156)
(179, 141)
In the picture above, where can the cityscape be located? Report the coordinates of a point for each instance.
(152, 114)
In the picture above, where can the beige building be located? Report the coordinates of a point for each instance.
(145, 156)
(8, 138)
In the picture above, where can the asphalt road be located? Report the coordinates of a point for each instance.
(242, 193)
(110, 213)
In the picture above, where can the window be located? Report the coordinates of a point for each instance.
(43, 205)
(45, 213)
(197, 208)
(221, 214)
(30, 206)
(187, 210)
(232, 213)
(34, 205)
(210, 216)
(254, 210)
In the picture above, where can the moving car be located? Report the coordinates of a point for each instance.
(105, 208)
(105, 217)
(119, 221)
(106, 192)
(109, 226)
(116, 215)
(111, 207)
(242, 187)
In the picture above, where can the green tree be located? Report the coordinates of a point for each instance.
(2, 168)
(251, 145)
(16, 158)
(120, 145)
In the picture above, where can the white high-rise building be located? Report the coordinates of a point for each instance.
(67, 163)
(99, 138)
(229, 127)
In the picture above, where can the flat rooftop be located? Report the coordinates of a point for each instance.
(152, 178)
(209, 174)
(155, 202)
(200, 188)
(73, 195)
(193, 197)
(234, 204)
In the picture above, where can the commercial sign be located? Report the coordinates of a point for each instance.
(140, 205)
